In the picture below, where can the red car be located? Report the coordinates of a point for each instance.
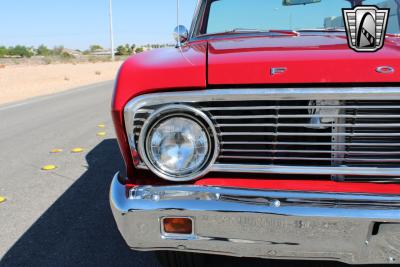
(262, 134)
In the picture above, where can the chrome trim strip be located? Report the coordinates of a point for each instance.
(275, 169)
(305, 143)
(309, 158)
(304, 134)
(355, 93)
(296, 107)
(264, 224)
(311, 151)
(357, 125)
(221, 95)
(299, 116)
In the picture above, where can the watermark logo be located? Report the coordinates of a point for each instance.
(366, 27)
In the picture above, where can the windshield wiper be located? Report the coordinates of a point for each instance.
(322, 30)
(245, 30)
(286, 32)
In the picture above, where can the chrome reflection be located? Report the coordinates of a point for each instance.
(243, 223)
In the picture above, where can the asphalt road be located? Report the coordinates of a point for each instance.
(62, 217)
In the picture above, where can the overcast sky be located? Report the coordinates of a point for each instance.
(79, 23)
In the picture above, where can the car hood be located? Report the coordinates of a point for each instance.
(301, 59)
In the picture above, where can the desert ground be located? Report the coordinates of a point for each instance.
(20, 82)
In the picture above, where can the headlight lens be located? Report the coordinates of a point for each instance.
(178, 146)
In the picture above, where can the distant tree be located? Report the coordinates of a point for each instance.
(121, 50)
(42, 50)
(21, 51)
(66, 55)
(3, 51)
(139, 50)
(124, 50)
(95, 47)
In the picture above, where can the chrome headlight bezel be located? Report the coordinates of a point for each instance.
(191, 113)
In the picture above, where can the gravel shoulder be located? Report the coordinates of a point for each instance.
(20, 82)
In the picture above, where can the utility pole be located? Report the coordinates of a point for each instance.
(177, 12)
(177, 21)
(111, 31)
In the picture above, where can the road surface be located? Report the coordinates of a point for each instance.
(62, 217)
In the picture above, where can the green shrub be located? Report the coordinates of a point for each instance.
(139, 50)
(95, 47)
(125, 50)
(66, 55)
(42, 50)
(21, 51)
(3, 51)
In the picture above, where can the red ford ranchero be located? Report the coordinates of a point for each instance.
(262, 134)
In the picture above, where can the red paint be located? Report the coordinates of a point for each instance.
(161, 70)
(308, 59)
(248, 60)
(295, 185)
(303, 185)
(157, 70)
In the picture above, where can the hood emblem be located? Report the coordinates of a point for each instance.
(385, 69)
(279, 70)
(366, 27)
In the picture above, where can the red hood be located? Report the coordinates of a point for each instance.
(308, 59)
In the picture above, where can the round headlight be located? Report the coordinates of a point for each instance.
(177, 146)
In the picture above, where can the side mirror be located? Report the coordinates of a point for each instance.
(181, 34)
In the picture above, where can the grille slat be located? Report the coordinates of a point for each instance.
(293, 107)
(294, 116)
(308, 143)
(367, 134)
(360, 125)
(311, 159)
(313, 151)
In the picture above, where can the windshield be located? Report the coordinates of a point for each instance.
(265, 15)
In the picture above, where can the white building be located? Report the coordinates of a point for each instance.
(394, 15)
(393, 26)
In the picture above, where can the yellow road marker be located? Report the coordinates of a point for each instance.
(77, 150)
(49, 167)
(101, 134)
(2, 199)
(55, 151)
(101, 125)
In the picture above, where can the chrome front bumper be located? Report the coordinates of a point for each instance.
(351, 228)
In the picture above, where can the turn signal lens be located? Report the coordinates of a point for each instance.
(181, 226)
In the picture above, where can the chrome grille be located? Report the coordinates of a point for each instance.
(348, 134)
(269, 132)
(289, 133)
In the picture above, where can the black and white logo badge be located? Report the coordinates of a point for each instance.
(366, 27)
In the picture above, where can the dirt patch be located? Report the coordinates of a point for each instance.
(19, 82)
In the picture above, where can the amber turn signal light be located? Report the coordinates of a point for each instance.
(181, 226)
